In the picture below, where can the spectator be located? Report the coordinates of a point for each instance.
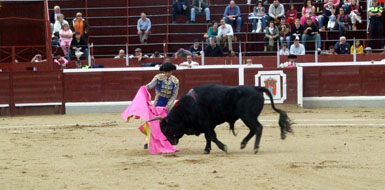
(37, 59)
(53, 17)
(342, 47)
(346, 4)
(291, 15)
(284, 50)
(341, 22)
(144, 27)
(213, 50)
(212, 32)
(180, 7)
(196, 49)
(122, 55)
(331, 51)
(249, 61)
(354, 11)
(308, 11)
(189, 62)
(80, 25)
(259, 11)
(200, 7)
(291, 63)
(138, 55)
(65, 39)
(232, 54)
(375, 13)
(157, 64)
(156, 55)
(78, 44)
(368, 50)
(271, 35)
(297, 48)
(284, 32)
(182, 53)
(296, 30)
(61, 61)
(232, 15)
(59, 24)
(311, 33)
(336, 3)
(359, 48)
(327, 15)
(225, 32)
(276, 12)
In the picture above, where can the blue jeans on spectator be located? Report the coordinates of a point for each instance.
(71, 53)
(237, 21)
(206, 12)
(263, 20)
(341, 28)
(315, 37)
(323, 19)
(177, 8)
(281, 38)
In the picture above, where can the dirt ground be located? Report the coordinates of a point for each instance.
(332, 148)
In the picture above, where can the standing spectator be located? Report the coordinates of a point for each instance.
(189, 62)
(308, 11)
(196, 49)
(122, 55)
(232, 15)
(212, 32)
(225, 32)
(61, 61)
(311, 33)
(328, 14)
(144, 27)
(284, 50)
(336, 3)
(276, 12)
(180, 7)
(375, 13)
(271, 35)
(259, 11)
(291, 15)
(284, 32)
(354, 11)
(53, 17)
(296, 30)
(200, 7)
(359, 48)
(80, 25)
(341, 22)
(78, 44)
(213, 50)
(65, 39)
(37, 59)
(297, 48)
(342, 47)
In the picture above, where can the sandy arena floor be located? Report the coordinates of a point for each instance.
(339, 148)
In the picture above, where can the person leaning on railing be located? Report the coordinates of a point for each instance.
(342, 47)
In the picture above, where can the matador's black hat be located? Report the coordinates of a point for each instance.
(167, 67)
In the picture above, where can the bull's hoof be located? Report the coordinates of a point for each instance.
(243, 145)
(224, 148)
(283, 136)
(206, 152)
(256, 150)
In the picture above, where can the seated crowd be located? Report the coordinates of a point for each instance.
(291, 30)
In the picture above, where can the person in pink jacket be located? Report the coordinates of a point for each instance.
(335, 2)
(65, 38)
(308, 11)
(61, 61)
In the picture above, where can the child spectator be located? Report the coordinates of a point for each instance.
(331, 51)
(196, 49)
(291, 15)
(359, 48)
(65, 39)
(354, 11)
(308, 11)
(284, 50)
(61, 61)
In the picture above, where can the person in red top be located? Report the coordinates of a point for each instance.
(335, 2)
(291, 15)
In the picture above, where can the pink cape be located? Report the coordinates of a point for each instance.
(141, 107)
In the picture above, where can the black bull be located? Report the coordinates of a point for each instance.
(207, 106)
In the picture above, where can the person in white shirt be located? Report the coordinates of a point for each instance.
(297, 48)
(284, 50)
(225, 32)
(189, 62)
(121, 55)
(291, 63)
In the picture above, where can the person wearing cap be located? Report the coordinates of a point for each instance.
(368, 50)
(291, 63)
(297, 48)
(375, 13)
(138, 54)
(166, 86)
(196, 49)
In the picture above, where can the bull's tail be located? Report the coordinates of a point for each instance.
(284, 121)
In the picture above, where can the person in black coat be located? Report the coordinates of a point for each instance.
(213, 50)
(78, 44)
(53, 15)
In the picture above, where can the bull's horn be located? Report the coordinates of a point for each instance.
(156, 118)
